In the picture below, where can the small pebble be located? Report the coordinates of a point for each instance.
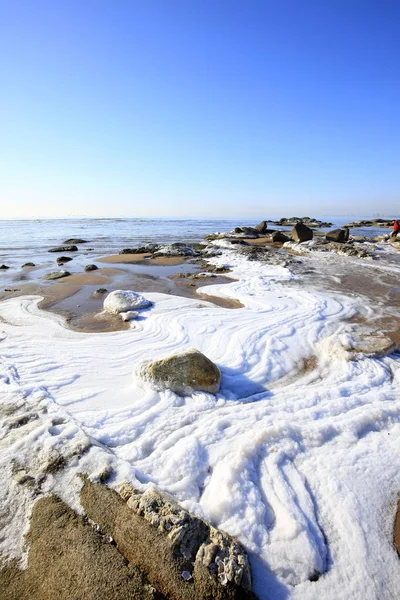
(186, 575)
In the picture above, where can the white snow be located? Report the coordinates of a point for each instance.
(301, 464)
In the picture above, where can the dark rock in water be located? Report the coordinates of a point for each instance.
(100, 292)
(75, 241)
(28, 264)
(238, 230)
(4, 267)
(183, 373)
(301, 233)
(63, 259)
(338, 235)
(279, 236)
(57, 275)
(91, 268)
(64, 249)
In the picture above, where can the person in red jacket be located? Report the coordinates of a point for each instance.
(396, 229)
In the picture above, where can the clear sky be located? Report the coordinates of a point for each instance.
(199, 107)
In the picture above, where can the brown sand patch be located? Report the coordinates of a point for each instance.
(261, 241)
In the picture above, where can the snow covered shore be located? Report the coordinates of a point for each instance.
(298, 455)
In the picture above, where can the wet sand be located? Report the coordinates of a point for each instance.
(74, 297)
(143, 259)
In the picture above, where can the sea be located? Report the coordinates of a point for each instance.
(30, 239)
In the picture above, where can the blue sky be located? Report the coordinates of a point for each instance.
(199, 107)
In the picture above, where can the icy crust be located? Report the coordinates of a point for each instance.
(298, 455)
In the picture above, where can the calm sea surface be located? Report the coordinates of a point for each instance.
(31, 239)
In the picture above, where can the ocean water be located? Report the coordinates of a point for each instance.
(30, 239)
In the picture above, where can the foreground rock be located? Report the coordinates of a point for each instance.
(64, 249)
(91, 268)
(301, 233)
(183, 557)
(182, 373)
(122, 301)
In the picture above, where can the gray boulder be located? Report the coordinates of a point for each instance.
(301, 233)
(182, 373)
(338, 235)
(28, 264)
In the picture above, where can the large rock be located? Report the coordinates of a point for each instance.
(123, 300)
(182, 373)
(338, 235)
(301, 233)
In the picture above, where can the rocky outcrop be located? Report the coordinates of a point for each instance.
(123, 301)
(63, 259)
(279, 236)
(386, 223)
(4, 267)
(91, 268)
(56, 275)
(301, 233)
(182, 556)
(64, 249)
(338, 235)
(182, 373)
